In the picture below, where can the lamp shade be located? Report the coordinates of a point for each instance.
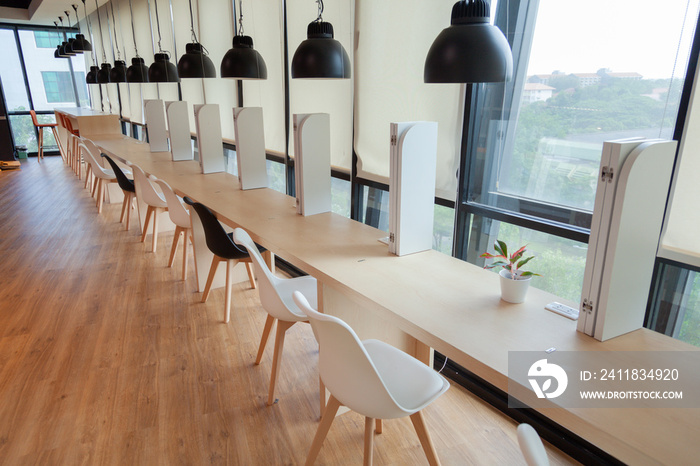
(91, 77)
(243, 61)
(470, 50)
(103, 73)
(71, 47)
(162, 71)
(137, 72)
(195, 63)
(320, 56)
(81, 44)
(118, 72)
(55, 52)
(62, 50)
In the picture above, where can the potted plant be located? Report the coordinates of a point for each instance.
(514, 280)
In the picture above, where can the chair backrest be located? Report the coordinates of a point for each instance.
(345, 367)
(179, 215)
(88, 149)
(275, 303)
(145, 189)
(34, 119)
(531, 446)
(124, 183)
(216, 237)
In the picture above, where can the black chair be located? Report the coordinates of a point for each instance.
(127, 186)
(222, 246)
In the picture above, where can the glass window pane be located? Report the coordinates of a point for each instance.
(573, 90)
(443, 229)
(11, 73)
(23, 131)
(340, 196)
(275, 176)
(49, 78)
(675, 309)
(560, 261)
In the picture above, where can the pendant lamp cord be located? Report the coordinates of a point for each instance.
(133, 30)
(320, 11)
(160, 49)
(240, 17)
(77, 21)
(68, 16)
(114, 21)
(87, 20)
(194, 35)
(102, 39)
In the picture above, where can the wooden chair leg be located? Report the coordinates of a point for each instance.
(40, 141)
(378, 426)
(173, 248)
(229, 277)
(185, 241)
(212, 271)
(100, 191)
(269, 322)
(369, 441)
(149, 212)
(130, 204)
(125, 202)
(424, 437)
(323, 428)
(154, 243)
(251, 275)
(282, 328)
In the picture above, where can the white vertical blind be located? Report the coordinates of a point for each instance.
(333, 96)
(393, 39)
(263, 21)
(216, 37)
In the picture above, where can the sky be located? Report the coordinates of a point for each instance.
(623, 35)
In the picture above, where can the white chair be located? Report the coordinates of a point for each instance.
(276, 299)
(531, 446)
(180, 216)
(102, 175)
(371, 378)
(146, 192)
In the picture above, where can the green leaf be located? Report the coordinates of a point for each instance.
(529, 274)
(525, 261)
(501, 248)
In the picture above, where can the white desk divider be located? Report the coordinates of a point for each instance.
(250, 147)
(412, 170)
(179, 124)
(209, 140)
(312, 162)
(155, 123)
(635, 175)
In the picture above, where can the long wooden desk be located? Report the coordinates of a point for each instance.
(430, 300)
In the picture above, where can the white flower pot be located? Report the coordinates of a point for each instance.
(513, 291)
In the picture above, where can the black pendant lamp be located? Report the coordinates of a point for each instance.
(91, 76)
(162, 70)
(81, 44)
(320, 56)
(470, 50)
(195, 63)
(243, 61)
(59, 52)
(106, 68)
(118, 72)
(71, 41)
(138, 71)
(64, 51)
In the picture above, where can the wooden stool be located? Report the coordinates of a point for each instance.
(40, 127)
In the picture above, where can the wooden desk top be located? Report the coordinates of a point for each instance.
(83, 112)
(448, 304)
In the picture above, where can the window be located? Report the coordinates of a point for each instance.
(58, 86)
(534, 143)
(47, 39)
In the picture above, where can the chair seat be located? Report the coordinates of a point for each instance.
(412, 384)
(239, 253)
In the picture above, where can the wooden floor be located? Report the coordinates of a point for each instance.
(106, 357)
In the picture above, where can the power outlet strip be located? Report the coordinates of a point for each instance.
(562, 309)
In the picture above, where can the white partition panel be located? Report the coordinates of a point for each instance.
(155, 123)
(412, 186)
(179, 124)
(210, 144)
(250, 147)
(312, 144)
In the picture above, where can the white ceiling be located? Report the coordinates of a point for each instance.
(45, 12)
